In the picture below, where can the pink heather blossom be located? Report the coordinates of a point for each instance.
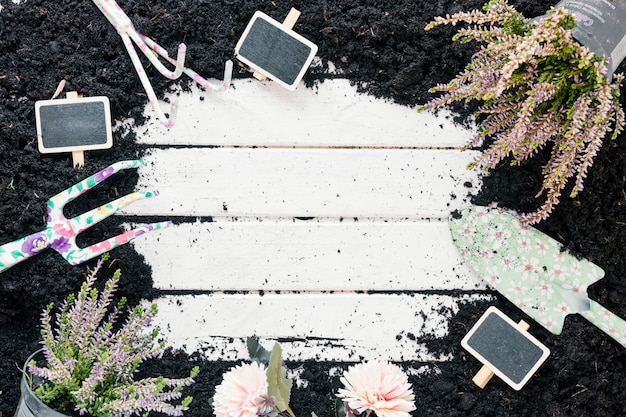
(243, 393)
(377, 386)
(540, 89)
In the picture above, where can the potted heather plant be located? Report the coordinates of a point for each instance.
(540, 87)
(89, 357)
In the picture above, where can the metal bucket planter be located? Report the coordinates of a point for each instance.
(30, 405)
(601, 28)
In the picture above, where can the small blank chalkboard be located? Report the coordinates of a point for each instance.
(73, 124)
(275, 50)
(510, 352)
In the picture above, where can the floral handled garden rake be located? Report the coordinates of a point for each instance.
(60, 233)
(122, 23)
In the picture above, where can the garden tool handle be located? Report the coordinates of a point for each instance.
(23, 248)
(114, 14)
(606, 321)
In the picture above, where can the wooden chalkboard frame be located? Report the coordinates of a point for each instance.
(249, 61)
(540, 351)
(106, 114)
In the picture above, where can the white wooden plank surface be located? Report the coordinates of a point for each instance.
(273, 182)
(254, 113)
(289, 254)
(338, 327)
(376, 181)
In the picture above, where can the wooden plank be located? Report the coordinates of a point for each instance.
(387, 183)
(338, 327)
(376, 182)
(254, 113)
(314, 255)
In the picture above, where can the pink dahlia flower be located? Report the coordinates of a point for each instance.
(379, 387)
(243, 393)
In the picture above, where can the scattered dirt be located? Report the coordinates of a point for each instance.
(381, 47)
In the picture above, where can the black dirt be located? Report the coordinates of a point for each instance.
(382, 48)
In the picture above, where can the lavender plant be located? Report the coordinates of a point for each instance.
(91, 357)
(540, 89)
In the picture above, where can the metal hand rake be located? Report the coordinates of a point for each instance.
(60, 233)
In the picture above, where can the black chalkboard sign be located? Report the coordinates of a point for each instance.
(275, 50)
(510, 352)
(73, 124)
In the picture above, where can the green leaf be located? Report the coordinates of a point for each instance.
(16, 254)
(186, 401)
(279, 386)
(257, 352)
(340, 408)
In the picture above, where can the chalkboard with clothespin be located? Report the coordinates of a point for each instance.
(273, 50)
(74, 124)
(505, 348)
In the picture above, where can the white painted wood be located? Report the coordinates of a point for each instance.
(254, 113)
(381, 183)
(288, 254)
(340, 326)
(377, 181)
(14, 1)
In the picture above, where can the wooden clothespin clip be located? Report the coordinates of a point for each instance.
(273, 50)
(505, 348)
(78, 156)
(484, 375)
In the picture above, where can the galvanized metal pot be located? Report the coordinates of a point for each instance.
(30, 405)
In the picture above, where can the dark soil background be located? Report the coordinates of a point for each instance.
(379, 45)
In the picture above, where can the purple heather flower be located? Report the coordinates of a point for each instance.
(514, 75)
(84, 331)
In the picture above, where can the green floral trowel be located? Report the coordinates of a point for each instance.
(531, 269)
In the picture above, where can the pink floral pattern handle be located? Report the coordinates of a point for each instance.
(60, 233)
(124, 27)
(532, 270)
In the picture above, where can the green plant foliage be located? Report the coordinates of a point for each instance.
(279, 386)
(93, 347)
(540, 89)
(257, 352)
(340, 408)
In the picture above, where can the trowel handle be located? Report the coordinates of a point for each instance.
(606, 321)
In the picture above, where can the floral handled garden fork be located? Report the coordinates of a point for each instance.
(60, 233)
